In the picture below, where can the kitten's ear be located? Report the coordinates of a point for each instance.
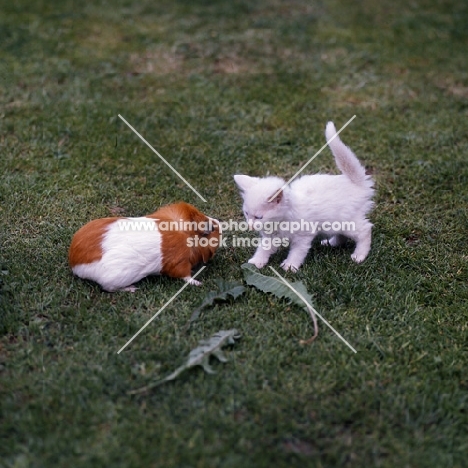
(276, 197)
(244, 182)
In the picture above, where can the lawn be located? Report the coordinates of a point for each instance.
(220, 88)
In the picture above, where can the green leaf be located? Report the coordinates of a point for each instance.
(276, 286)
(199, 356)
(225, 289)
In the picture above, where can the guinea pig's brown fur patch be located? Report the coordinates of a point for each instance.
(178, 258)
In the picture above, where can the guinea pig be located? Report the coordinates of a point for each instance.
(118, 252)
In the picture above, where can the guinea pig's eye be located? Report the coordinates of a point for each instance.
(210, 227)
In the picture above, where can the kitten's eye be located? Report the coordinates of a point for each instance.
(246, 214)
(258, 217)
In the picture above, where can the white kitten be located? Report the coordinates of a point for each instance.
(337, 200)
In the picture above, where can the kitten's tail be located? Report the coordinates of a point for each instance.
(345, 159)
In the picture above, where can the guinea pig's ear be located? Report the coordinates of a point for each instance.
(206, 227)
(244, 182)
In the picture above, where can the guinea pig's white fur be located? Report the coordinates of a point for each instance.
(117, 252)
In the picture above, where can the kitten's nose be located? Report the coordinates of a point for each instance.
(251, 224)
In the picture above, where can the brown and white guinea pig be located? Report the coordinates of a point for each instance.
(117, 252)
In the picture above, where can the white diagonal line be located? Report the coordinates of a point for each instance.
(173, 170)
(303, 299)
(159, 311)
(312, 158)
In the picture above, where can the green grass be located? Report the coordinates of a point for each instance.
(221, 88)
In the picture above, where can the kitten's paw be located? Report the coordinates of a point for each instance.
(130, 288)
(258, 263)
(325, 242)
(358, 258)
(192, 281)
(286, 266)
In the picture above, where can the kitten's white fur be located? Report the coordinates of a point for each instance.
(313, 198)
